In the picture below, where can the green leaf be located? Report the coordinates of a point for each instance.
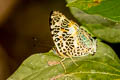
(104, 65)
(85, 18)
(108, 8)
(105, 33)
(110, 31)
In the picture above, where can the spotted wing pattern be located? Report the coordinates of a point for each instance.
(69, 38)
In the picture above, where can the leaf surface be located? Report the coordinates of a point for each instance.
(108, 8)
(103, 65)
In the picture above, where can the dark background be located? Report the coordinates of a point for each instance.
(24, 30)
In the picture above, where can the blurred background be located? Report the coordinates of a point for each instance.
(24, 30)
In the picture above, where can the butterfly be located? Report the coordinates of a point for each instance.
(70, 39)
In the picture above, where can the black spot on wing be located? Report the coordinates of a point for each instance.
(56, 18)
(57, 26)
(56, 31)
(64, 23)
(57, 39)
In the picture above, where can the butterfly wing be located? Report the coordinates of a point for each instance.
(67, 36)
(61, 32)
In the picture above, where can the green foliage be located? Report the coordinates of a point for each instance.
(107, 8)
(108, 31)
(103, 65)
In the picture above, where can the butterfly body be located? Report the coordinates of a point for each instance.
(69, 38)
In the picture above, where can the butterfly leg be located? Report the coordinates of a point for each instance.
(63, 64)
(72, 59)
